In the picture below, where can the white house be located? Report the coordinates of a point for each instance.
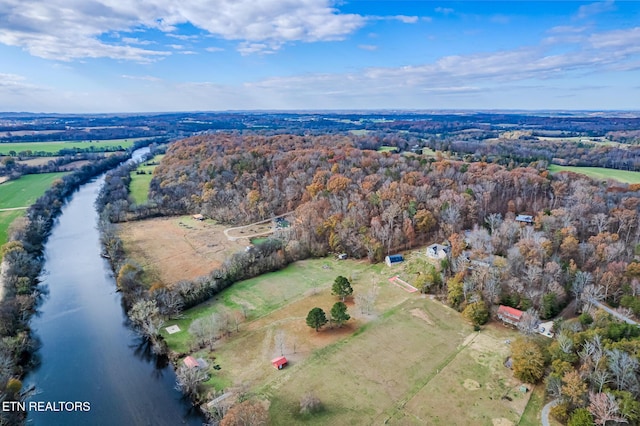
(438, 251)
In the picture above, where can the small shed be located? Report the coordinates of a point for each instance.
(198, 216)
(191, 362)
(279, 362)
(393, 259)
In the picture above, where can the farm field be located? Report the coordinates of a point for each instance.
(177, 248)
(55, 147)
(139, 186)
(6, 219)
(25, 191)
(21, 193)
(410, 352)
(599, 173)
(265, 294)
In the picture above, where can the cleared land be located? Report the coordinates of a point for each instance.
(410, 353)
(139, 186)
(21, 193)
(599, 173)
(6, 219)
(26, 190)
(177, 248)
(55, 147)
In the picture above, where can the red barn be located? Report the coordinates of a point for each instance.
(279, 362)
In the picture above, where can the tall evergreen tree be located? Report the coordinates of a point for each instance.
(316, 318)
(341, 287)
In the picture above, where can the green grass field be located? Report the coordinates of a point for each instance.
(55, 146)
(599, 173)
(405, 363)
(24, 191)
(139, 186)
(6, 219)
(21, 193)
(385, 148)
(268, 292)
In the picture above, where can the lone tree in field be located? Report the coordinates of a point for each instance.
(339, 313)
(316, 318)
(341, 287)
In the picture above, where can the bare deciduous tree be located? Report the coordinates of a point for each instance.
(188, 379)
(604, 408)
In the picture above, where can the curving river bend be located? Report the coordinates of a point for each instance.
(89, 356)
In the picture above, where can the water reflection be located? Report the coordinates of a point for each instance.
(88, 352)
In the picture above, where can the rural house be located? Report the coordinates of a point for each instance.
(438, 251)
(525, 218)
(393, 259)
(509, 315)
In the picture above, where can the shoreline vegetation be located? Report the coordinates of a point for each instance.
(21, 266)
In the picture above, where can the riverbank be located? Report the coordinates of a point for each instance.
(22, 265)
(89, 351)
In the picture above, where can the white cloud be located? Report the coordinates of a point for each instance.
(183, 37)
(134, 40)
(628, 38)
(560, 29)
(588, 10)
(369, 47)
(444, 10)
(14, 82)
(70, 29)
(406, 19)
(214, 49)
(608, 51)
(248, 48)
(141, 77)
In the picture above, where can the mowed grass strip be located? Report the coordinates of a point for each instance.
(599, 173)
(55, 146)
(139, 186)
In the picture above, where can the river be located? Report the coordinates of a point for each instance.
(89, 355)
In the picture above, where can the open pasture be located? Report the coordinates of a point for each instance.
(270, 294)
(54, 147)
(26, 190)
(139, 186)
(21, 193)
(410, 353)
(177, 248)
(599, 173)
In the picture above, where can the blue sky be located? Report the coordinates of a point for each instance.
(167, 55)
